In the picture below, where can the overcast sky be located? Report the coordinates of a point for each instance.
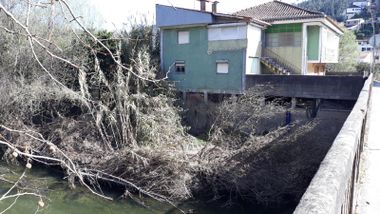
(116, 12)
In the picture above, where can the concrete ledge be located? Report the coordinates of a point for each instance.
(301, 86)
(330, 190)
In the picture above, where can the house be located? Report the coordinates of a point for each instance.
(209, 52)
(361, 4)
(366, 57)
(366, 51)
(352, 10)
(306, 39)
(354, 22)
(364, 46)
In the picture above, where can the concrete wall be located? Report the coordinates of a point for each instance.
(329, 47)
(227, 32)
(332, 189)
(324, 87)
(254, 45)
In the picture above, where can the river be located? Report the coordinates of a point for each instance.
(59, 198)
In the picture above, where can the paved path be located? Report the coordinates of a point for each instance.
(369, 187)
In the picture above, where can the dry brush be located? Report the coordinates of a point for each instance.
(96, 105)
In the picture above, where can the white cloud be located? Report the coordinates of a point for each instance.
(117, 12)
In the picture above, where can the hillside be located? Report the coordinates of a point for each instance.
(334, 9)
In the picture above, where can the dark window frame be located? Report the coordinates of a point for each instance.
(223, 62)
(178, 33)
(180, 66)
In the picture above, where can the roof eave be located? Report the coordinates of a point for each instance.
(244, 18)
(292, 18)
(333, 22)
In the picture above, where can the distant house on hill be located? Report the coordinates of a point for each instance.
(353, 22)
(361, 4)
(211, 52)
(352, 10)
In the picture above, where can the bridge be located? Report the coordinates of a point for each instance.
(348, 178)
(336, 87)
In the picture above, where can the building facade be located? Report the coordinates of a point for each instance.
(212, 52)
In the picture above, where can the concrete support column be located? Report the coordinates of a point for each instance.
(294, 103)
(304, 49)
(262, 102)
(205, 97)
(184, 96)
(318, 102)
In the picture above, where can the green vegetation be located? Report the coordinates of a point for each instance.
(366, 67)
(366, 31)
(348, 54)
(334, 9)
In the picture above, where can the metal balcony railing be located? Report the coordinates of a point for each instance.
(281, 64)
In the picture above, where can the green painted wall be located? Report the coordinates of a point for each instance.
(284, 28)
(227, 45)
(313, 42)
(200, 72)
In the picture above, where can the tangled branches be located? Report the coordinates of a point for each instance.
(246, 158)
(87, 103)
(78, 106)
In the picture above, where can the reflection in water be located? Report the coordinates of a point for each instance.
(60, 199)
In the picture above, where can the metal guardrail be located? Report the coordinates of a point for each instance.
(332, 190)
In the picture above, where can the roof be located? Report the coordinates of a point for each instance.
(223, 15)
(276, 10)
(246, 18)
(358, 19)
(354, 6)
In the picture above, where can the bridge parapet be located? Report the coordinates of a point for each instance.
(336, 87)
(332, 189)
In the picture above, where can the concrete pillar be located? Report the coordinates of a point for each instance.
(205, 97)
(184, 96)
(294, 103)
(318, 102)
(234, 98)
(262, 102)
(304, 49)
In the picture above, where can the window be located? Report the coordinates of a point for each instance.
(180, 66)
(284, 39)
(183, 37)
(222, 66)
